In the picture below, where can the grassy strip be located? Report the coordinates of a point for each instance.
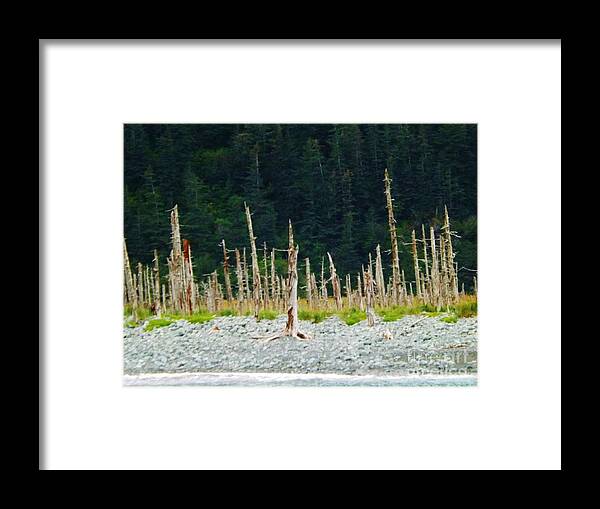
(142, 313)
(267, 314)
(352, 316)
(198, 317)
(466, 307)
(313, 316)
(158, 322)
(394, 313)
(449, 319)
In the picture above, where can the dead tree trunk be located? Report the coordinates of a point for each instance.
(180, 275)
(149, 287)
(313, 284)
(140, 282)
(443, 264)
(211, 295)
(157, 306)
(240, 280)
(129, 284)
(349, 291)
(335, 282)
(427, 282)
(188, 278)
(435, 276)
(216, 290)
(246, 277)
(266, 289)
(255, 270)
(273, 278)
(453, 279)
(308, 284)
(416, 264)
(275, 283)
(323, 283)
(282, 290)
(226, 274)
(370, 297)
(393, 240)
(291, 327)
(379, 280)
(361, 302)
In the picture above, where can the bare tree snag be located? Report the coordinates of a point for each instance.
(246, 277)
(149, 287)
(226, 273)
(273, 277)
(211, 297)
(379, 280)
(216, 290)
(276, 284)
(291, 327)
(188, 278)
(315, 287)
(361, 302)
(349, 291)
(240, 279)
(450, 256)
(255, 270)
(172, 283)
(181, 276)
(444, 273)
(129, 283)
(140, 282)
(323, 283)
(393, 240)
(370, 297)
(337, 292)
(435, 280)
(175, 232)
(308, 284)
(282, 288)
(416, 265)
(426, 290)
(156, 274)
(266, 291)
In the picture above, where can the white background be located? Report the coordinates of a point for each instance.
(510, 421)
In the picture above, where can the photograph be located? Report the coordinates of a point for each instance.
(300, 254)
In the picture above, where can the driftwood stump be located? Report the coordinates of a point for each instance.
(291, 326)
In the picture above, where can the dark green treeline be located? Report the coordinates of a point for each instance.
(328, 179)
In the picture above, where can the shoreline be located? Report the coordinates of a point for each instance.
(296, 379)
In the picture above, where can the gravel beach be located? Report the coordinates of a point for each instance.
(418, 346)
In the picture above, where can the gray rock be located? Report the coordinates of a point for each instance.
(431, 346)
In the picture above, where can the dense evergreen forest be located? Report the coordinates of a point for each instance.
(328, 179)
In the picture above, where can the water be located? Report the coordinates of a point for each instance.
(299, 380)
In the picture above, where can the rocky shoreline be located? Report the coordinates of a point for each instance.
(413, 345)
